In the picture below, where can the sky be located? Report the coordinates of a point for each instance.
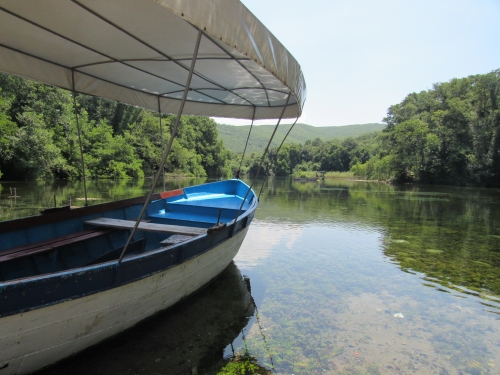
(359, 57)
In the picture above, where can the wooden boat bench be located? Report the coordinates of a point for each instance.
(151, 227)
(52, 244)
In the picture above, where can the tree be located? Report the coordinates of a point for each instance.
(107, 156)
(448, 134)
(118, 140)
(7, 130)
(214, 156)
(35, 154)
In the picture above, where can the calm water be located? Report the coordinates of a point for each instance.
(346, 278)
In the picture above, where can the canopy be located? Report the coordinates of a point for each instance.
(139, 52)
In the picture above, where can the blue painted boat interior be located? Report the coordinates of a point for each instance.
(198, 206)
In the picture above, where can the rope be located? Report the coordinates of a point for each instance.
(169, 146)
(276, 156)
(161, 141)
(242, 156)
(261, 161)
(79, 138)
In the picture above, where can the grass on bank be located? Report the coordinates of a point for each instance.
(332, 174)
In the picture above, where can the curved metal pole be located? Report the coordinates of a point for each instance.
(246, 144)
(79, 138)
(169, 146)
(261, 162)
(161, 142)
(276, 156)
(266, 345)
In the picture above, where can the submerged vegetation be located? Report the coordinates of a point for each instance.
(242, 364)
(334, 265)
(331, 309)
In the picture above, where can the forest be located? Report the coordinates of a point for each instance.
(449, 134)
(233, 135)
(39, 140)
(39, 137)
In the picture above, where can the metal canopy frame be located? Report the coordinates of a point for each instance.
(179, 62)
(260, 166)
(167, 59)
(167, 151)
(26, 39)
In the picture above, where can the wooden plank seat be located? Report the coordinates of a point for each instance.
(51, 244)
(151, 227)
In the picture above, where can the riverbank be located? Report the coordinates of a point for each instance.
(319, 175)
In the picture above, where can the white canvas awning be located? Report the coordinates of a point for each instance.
(136, 51)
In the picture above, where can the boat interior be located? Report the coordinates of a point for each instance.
(97, 234)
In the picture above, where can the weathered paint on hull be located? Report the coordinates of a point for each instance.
(38, 338)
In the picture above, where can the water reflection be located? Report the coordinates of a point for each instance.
(189, 337)
(450, 235)
(356, 278)
(37, 195)
(336, 302)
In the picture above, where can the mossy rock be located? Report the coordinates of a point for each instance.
(243, 365)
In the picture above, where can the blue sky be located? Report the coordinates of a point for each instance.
(361, 56)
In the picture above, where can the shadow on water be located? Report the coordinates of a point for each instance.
(188, 338)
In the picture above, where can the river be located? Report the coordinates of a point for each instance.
(345, 278)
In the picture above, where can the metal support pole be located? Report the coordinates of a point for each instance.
(276, 156)
(246, 144)
(161, 142)
(79, 139)
(169, 146)
(261, 162)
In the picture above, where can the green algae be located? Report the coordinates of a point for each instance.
(433, 251)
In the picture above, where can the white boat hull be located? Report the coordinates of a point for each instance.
(32, 340)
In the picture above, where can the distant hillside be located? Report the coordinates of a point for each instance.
(234, 137)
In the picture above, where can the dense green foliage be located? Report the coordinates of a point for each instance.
(447, 135)
(233, 135)
(316, 155)
(39, 137)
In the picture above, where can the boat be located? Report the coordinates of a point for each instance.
(227, 306)
(70, 278)
(63, 288)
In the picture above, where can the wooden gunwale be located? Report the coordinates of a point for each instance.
(13, 225)
(53, 243)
